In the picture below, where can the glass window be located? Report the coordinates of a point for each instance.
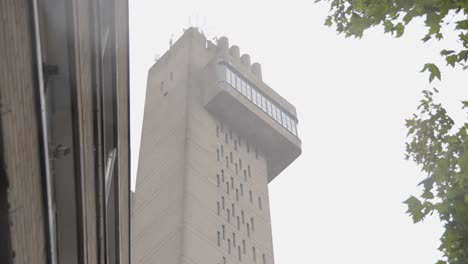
(238, 84)
(249, 92)
(254, 95)
(228, 76)
(264, 104)
(244, 88)
(283, 117)
(259, 100)
(294, 130)
(269, 107)
(233, 79)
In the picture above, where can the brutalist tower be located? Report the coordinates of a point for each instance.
(214, 135)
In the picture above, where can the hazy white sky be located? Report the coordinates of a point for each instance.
(341, 201)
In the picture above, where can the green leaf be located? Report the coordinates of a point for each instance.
(433, 70)
(451, 60)
(446, 52)
(463, 24)
(400, 29)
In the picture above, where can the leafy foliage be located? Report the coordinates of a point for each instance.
(443, 156)
(354, 17)
(440, 152)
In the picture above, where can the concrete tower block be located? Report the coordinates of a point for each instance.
(257, 70)
(223, 45)
(235, 52)
(245, 60)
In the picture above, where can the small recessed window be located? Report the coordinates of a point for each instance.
(250, 196)
(230, 134)
(243, 218)
(222, 175)
(233, 210)
(240, 164)
(233, 239)
(219, 239)
(227, 187)
(222, 150)
(228, 215)
(218, 207)
(226, 138)
(229, 245)
(259, 202)
(238, 223)
(217, 154)
(248, 169)
(245, 175)
(217, 180)
(252, 223)
(232, 183)
(242, 189)
(222, 201)
(217, 131)
(254, 254)
(227, 162)
(224, 231)
(237, 194)
(236, 168)
(230, 154)
(248, 230)
(264, 258)
(239, 255)
(243, 246)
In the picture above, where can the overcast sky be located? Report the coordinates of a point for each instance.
(341, 201)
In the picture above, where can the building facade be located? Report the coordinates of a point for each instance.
(214, 135)
(64, 132)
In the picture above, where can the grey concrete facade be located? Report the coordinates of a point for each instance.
(206, 159)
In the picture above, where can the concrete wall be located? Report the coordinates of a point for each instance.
(180, 179)
(158, 200)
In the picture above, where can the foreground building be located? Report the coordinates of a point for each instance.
(64, 132)
(214, 135)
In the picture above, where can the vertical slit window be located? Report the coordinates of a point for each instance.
(264, 258)
(254, 254)
(217, 180)
(248, 230)
(224, 231)
(222, 202)
(248, 170)
(250, 196)
(229, 245)
(219, 239)
(252, 223)
(260, 203)
(228, 215)
(243, 246)
(218, 208)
